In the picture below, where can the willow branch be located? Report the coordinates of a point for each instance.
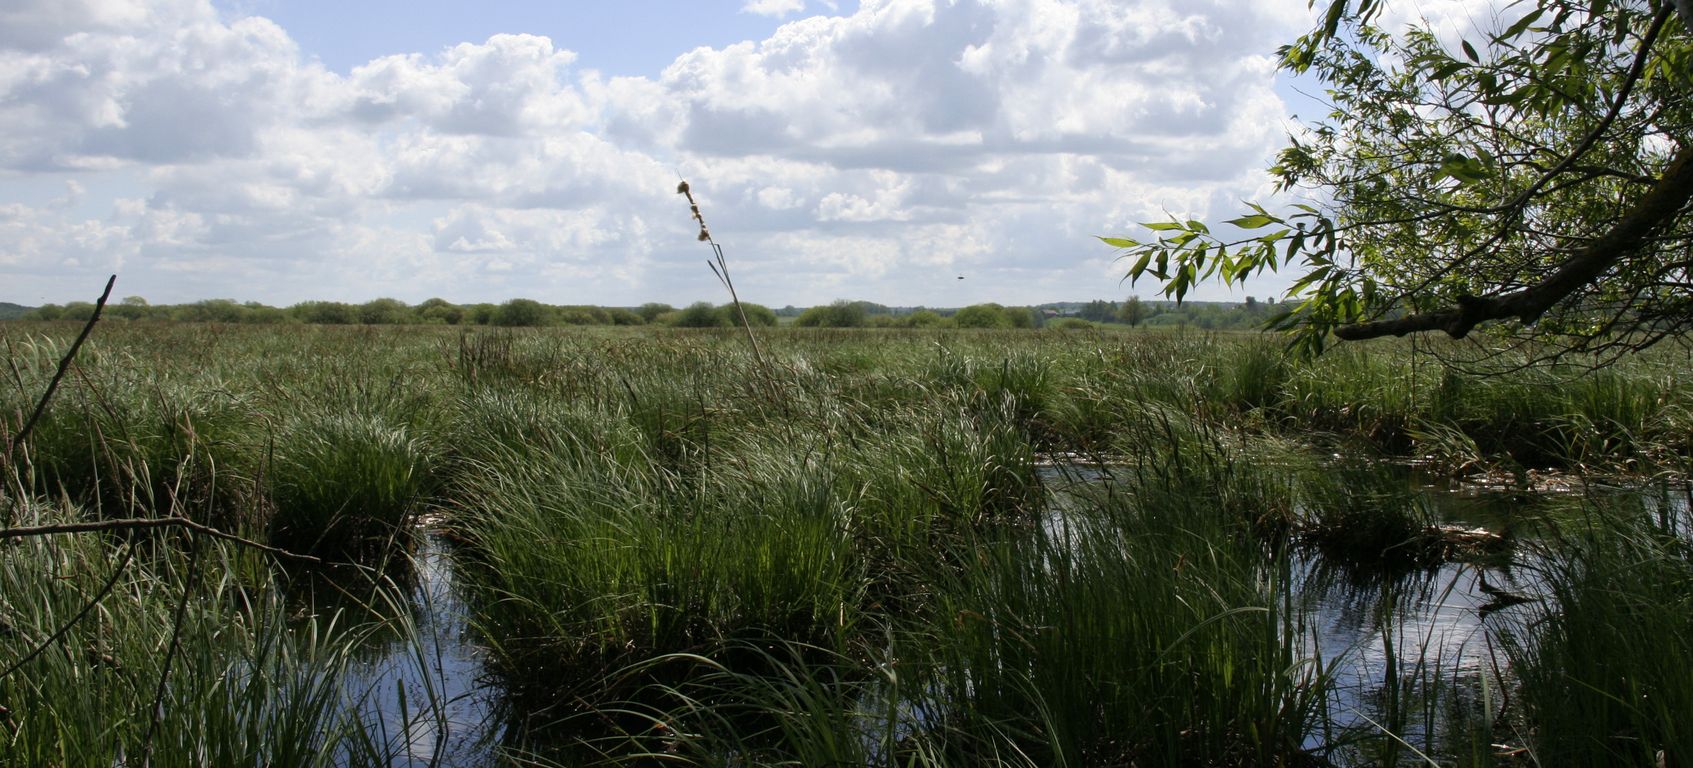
(1633, 231)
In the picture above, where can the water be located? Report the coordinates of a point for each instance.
(1418, 650)
(1404, 647)
(425, 688)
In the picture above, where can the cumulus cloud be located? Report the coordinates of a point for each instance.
(863, 155)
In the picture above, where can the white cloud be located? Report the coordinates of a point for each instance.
(863, 156)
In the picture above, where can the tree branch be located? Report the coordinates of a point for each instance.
(141, 523)
(1634, 230)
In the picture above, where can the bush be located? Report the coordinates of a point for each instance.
(981, 316)
(841, 314)
(758, 315)
(700, 314)
(650, 311)
(520, 312)
(384, 312)
(323, 312)
(440, 311)
(923, 318)
(583, 316)
(1019, 317)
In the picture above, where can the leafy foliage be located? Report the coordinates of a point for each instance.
(1540, 176)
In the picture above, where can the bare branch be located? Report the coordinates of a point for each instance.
(142, 523)
(64, 364)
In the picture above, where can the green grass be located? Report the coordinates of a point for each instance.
(247, 685)
(1604, 668)
(879, 547)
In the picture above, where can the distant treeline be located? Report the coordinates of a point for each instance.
(528, 312)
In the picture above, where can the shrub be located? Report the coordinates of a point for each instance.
(651, 311)
(384, 312)
(520, 312)
(981, 316)
(758, 315)
(700, 314)
(924, 318)
(841, 314)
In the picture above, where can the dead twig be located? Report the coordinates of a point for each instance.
(143, 523)
(64, 365)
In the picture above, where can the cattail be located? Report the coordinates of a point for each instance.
(694, 208)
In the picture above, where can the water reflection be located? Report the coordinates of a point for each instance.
(422, 686)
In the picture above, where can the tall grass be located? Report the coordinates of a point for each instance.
(1604, 669)
(585, 564)
(246, 684)
(341, 482)
(874, 547)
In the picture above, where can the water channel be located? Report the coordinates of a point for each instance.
(431, 695)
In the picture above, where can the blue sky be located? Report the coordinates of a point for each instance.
(622, 37)
(279, 151)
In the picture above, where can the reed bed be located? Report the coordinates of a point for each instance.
(868, 547)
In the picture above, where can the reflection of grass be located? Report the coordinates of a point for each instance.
(1366, 514)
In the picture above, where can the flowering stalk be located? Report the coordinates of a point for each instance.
(720, 268)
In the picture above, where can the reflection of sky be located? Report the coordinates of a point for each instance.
(1434, 632)
(440, 664)
(1436, 629)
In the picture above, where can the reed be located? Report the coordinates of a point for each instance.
(1603, 666)
(246, 683)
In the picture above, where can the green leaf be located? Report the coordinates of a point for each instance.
(1469, 52)
(1337, 9)
(1465, 169)
(1257, 221)
(1119, 242)
(1449, 69)
(1159, 226)
(1522, 23)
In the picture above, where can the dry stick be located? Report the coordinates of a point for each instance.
(64, 365)
(170, 652)
(140, 523)
(105, 589)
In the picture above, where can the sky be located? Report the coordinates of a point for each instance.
(289, 150)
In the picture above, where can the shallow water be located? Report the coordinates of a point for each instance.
(1427, 625)
(426, 691)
